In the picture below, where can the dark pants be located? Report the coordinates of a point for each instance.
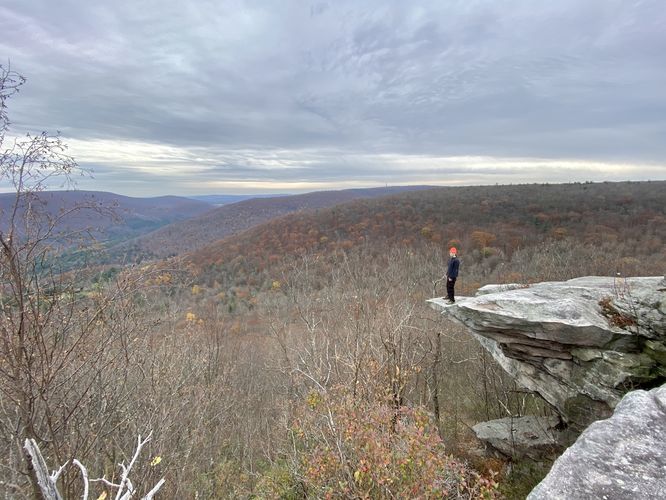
(450, 283)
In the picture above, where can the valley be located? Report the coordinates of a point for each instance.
(235, 352)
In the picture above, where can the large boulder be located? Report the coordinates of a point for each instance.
(519, 437)
(581, 344)
(621, 457)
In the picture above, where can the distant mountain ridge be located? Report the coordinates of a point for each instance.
(225, 199)
(107, 215)
(220, 222)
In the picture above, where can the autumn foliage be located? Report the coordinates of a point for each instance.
(350, 449)
(485, 223)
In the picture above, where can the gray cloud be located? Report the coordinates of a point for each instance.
(339, 85)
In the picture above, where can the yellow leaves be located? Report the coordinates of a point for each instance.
(298, 431)
(192, 319)
(276, 285)
(163, 279)
(196, 290)
(102, 496)
(155, 461)
(313, 399)
(357, 476)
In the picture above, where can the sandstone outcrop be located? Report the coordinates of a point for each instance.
(621, 457)
(533, 437)
(581, 344)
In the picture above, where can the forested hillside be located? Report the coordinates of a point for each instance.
(488, 224)
(233, 218)
(110, 215)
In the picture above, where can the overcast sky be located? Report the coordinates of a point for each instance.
(216, 96)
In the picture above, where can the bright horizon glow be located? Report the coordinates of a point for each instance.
(187, 168)
(201, 171)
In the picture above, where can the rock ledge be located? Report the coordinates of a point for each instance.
(581, 344)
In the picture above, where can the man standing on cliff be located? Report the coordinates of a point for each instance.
(452, 274)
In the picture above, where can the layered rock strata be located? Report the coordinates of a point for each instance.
(581, 344)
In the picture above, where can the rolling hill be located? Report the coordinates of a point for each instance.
(225, 199)
(196, 232)
(108, 216)
(485, 222)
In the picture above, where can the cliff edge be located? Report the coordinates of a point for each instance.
(581, 344)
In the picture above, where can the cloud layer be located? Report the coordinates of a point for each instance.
(231, 96)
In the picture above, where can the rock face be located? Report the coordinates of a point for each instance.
(533, 437)
(581, 344)
(621, 457)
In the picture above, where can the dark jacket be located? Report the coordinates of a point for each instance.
(452, 271)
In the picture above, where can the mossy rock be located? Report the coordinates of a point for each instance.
(582, 410)
(657, 351)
